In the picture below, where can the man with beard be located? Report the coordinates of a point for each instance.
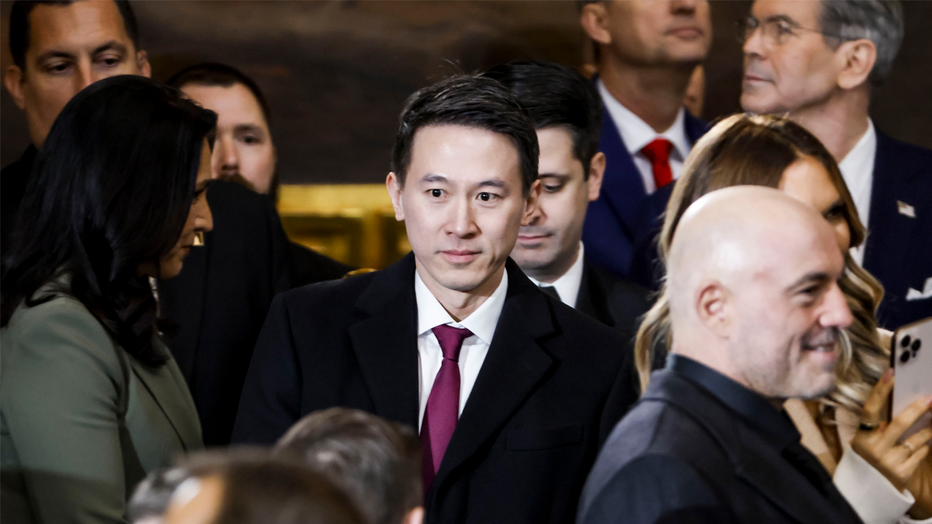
(756, 313)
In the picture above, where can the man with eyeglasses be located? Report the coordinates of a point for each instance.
(819, 62)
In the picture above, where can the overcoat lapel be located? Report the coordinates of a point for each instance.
(891, 233)
(622, 187)
(591, 299)
(385, 343)
(514, 366)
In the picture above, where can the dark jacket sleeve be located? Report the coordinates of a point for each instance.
(271, 398)
(655, 489)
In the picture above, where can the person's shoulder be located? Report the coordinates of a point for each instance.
(581, 330)
(905, 161)
(619, 286)
(58, 330)
(307, 266)
(340, 294)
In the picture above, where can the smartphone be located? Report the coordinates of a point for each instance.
(911, 359)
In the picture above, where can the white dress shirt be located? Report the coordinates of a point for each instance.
(567, 285)
(858, 171)
(481, 323)
(870, 494)
(635, 133)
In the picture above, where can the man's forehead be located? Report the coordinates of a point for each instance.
(81, 25)
(466, 153)
(234, 104)
(804, 12)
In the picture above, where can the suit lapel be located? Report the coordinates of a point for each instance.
(591, 300)
(622, 186)
(514, 366)
(889, 241)
(385, 343)
(167, 388)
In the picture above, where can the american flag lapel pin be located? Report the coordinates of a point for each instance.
(906, 209)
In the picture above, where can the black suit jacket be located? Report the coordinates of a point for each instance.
(681, 455)
(610, 299)
(899, 247)
(553, 383)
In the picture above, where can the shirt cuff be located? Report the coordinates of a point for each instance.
(871, 495)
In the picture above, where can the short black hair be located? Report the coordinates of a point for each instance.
(556, 96)
(220, 75)
(19, 25)
(469, 101)
(376, 462)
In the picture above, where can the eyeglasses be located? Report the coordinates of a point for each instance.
(774, 32)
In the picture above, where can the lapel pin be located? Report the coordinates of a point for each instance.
(906, 209)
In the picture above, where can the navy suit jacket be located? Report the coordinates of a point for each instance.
(552, 386)
(612, 221)
(899, 247)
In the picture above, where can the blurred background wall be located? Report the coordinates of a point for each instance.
(336, 73)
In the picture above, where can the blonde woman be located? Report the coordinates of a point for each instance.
(884, 481)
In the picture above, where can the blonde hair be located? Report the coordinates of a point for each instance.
(756, 150)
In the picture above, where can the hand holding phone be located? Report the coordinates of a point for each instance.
(911, 360)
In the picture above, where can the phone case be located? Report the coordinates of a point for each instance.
(911, 359)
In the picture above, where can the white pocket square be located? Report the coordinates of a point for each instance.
(912, 294)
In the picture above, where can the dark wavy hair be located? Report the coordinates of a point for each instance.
(111, 188)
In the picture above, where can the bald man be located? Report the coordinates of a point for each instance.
(755, 311)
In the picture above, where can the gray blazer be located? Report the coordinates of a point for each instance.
(81, 420)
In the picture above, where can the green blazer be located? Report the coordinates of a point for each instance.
(81, 421)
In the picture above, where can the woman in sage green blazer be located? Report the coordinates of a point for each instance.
(91, 399)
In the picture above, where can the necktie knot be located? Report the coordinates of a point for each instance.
(658, 153)
(451, 340)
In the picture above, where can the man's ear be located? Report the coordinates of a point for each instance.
(530, 203)
(859, 57)
(414, 516)
(142, 62)
(714, 307)
(596, 172)
(393, 185)
(594, 20)
(13, 80)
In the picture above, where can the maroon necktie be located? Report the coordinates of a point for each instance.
(658, 152)
(443, 404)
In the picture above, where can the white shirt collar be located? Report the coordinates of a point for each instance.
(568, 284)
(857, 168)
(482, 321)
(636, 133)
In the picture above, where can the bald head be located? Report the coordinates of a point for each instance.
(752, 285)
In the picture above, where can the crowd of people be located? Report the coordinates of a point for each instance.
(613, 311)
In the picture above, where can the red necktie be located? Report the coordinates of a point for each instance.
(658, 152)
(443, 404)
